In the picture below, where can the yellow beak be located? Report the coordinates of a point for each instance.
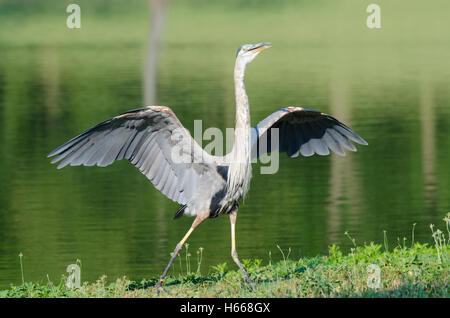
(261, 47)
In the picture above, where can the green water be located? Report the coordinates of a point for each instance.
(390, 85)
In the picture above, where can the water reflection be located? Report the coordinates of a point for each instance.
(428, 142)
(341, 180)
(157, 25)
(51, 81)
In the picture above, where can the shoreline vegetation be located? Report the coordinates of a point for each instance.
(370, 270)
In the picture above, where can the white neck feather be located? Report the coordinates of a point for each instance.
(239, 172)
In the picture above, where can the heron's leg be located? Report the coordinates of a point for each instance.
(234, 254)
(196, 222)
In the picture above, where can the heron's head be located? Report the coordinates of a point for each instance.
(247, 52)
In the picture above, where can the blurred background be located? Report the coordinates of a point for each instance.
(391, 85)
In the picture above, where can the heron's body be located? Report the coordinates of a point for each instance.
(153, 139)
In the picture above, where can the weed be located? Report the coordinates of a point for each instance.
(21, 267)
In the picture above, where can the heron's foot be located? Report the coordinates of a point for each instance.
(238, 262)
(175, 253)
(250, 282)
(159, 287)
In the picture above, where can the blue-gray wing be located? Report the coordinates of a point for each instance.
(152, 139)
(302, 131)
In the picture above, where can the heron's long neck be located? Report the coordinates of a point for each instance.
(242, 129)
(240, 166)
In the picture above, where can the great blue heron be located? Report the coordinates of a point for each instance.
(206, 186)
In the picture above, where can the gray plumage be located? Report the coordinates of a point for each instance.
(145, 137)
(154, 140)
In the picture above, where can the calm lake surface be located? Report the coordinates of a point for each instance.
(392, 86)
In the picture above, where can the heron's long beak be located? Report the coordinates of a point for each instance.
(260, 47)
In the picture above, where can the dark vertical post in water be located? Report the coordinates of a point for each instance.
(157, 24)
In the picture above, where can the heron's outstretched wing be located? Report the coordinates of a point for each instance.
(303, 131)
(152, 139)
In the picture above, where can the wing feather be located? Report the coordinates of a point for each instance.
(305, 131)
(145, 137)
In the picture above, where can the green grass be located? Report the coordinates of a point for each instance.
(417, 271)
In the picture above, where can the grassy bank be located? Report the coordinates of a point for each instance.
(418, 271)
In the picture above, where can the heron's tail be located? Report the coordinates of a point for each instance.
(180, 211)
